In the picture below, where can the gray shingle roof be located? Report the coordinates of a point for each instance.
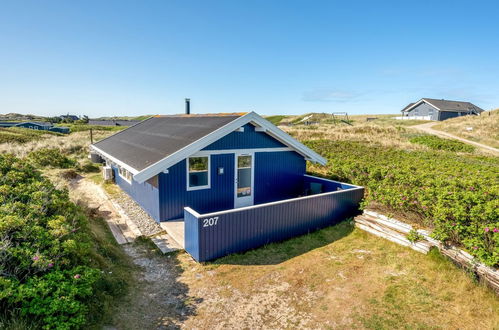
(155, 138)
(448, 105)
(454, 106)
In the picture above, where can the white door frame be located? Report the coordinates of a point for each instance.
(247, 200)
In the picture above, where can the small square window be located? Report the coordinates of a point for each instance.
(124, 174)
(198, 173)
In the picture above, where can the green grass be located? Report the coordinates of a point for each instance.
(86, 127)
(275, 119)
(437, 143)
(278, 252)
(23, 135)
(339, 276)
(455, 195)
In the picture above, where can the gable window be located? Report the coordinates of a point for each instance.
(125, 175)
(198, 173)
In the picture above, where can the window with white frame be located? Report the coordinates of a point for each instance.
(198, 173)
(126, 175)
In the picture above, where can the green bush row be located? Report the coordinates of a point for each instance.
(22, 135)
(50, 157)
(85, 127)
(51, 271)
(456, 195)
(436, 143)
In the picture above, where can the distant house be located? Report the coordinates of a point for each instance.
(112, 122)
(41, 126)
(69, 117)
(434, 109)
(237, 180)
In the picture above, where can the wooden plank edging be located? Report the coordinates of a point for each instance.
(396, 231)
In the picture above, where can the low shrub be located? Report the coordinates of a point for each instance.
(22, 135)
(456, 195)
(85, 127)
(89, 167)
(50, 157)
(436, 143)
(51, 270)
(275, 119)
(413, 236)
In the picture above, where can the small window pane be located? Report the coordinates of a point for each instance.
(198, 171)
(197, 179)
(198, 164)
(244, 161)
(243, 176)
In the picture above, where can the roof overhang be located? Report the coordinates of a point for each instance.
(418, 103)
(253, 118)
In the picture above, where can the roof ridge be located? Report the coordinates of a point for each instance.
(221, 114)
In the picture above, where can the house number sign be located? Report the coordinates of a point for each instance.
(210, 222)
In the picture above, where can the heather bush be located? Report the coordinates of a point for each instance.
(436, 143)
(50, 157)
(456, 195)
(49, 270)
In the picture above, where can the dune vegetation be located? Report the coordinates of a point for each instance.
(482, 129)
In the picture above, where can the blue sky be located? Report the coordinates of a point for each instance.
(105, 58)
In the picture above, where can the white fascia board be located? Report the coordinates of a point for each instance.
(412, 106)
(418, 103)
(196, 146)
(114, 160)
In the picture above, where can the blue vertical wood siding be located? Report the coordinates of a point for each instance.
(278, 176)
(424, 109)
(247, 228)
(146, 195)
(249, 139)
(174, 195)
(443, 115)
(191, 229)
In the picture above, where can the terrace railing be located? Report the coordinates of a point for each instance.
(213, 235)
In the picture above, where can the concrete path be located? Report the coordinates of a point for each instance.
(427, 128)
(175, 228)
(122, 227)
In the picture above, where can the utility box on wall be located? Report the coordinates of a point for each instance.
(107, 173)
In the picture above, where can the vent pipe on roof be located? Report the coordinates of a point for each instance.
(187, 106)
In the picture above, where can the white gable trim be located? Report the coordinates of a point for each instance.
(196, 146)
(418, 103)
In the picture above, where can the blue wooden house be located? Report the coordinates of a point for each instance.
(42, 126)
(213, 171)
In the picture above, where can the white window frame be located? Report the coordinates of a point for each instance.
(208, 186)
(127, 176)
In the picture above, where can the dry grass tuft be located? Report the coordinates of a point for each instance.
(371, 133)
(485, 128)
(74, 143)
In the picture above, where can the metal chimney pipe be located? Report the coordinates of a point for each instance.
(187, 106)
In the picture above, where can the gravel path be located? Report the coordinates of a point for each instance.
(427, 129)
(144, 222)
